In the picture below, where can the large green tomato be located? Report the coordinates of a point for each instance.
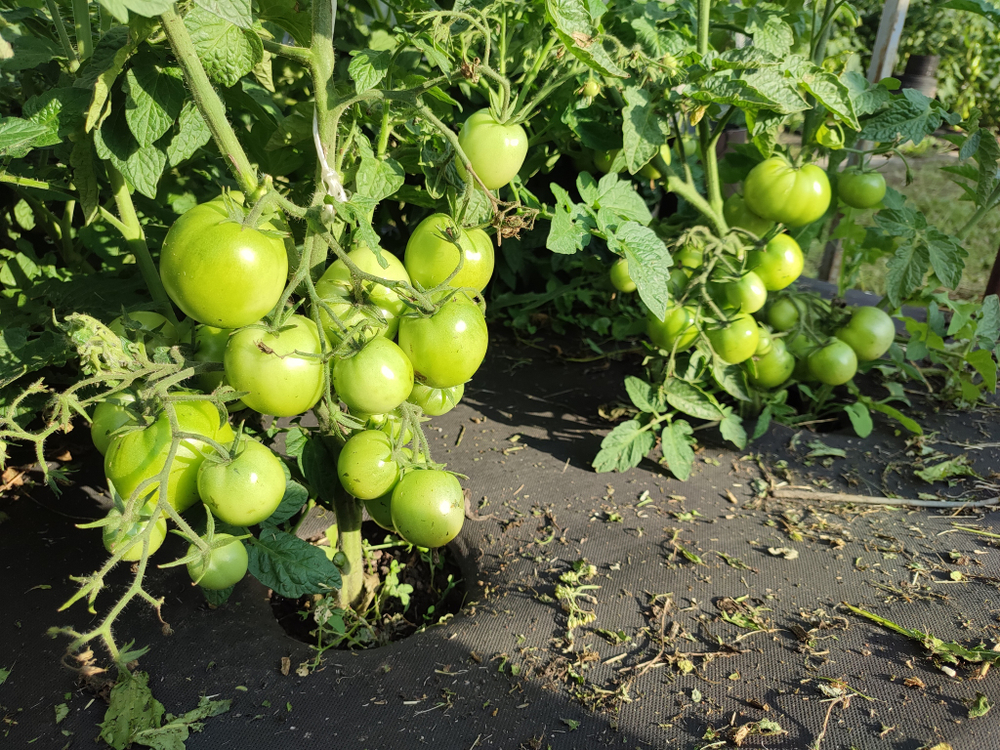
(779, 263)
(380, 322)
(446, 348)
(428, 507)
(765, 342)
(738, 215)
(431, 255)
(219, 272)
(748, 294)
(860, 189)
(783, 315)
(621, 279)
(678, 325)
(834, 364)
(735, 341)
(870, 332)
(278, 381)
(380, 511)
(366, 467)
(226, 566)
(436, 401)
(496, 151)
(771, 369)
(375, 379)
(110, 415)
(110, 532)
(336, 280)
(245, 490)
(777, 191)
(139, 455)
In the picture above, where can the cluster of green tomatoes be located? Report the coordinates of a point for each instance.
(734, 300)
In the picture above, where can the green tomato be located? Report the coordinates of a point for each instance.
(764, 341)
(605, 160)
(366, 467)
(246, 490)
(336, 281)
(136, 456)
(496, 151)
(735, 341)
(771, 369)
(219, 272)
(779, 263)
(227, 564)
(777, 191)
(833, 364)
(620, 277)
(870, 332)
(110, 532)
(745, 295)
(649, 171)
(591, 88)
(431, 255)
(783, 315)
(375, 379)
(391, 423)
(380, 511)
(446, 348)
(111, 414)
(428, 507)
(435, 401)
(689, 257)
(678, 281)
(860, 189)
(738, 215)
(278, 381)
(154, 330)
(352, 314)
(678, 325)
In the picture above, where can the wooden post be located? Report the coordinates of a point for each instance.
(884, 54)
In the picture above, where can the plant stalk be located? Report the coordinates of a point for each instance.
(208, 101)
(84, 34)
(348, 512)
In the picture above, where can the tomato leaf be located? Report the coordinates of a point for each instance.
(732, 430)
(763, 422)
(690, 399)
(909, 117)
(643, 130)
(861, 419)
(575, 28)
(192, 133)
(379, 178)
(217, 597)
(645, 397)
(988, 327)
(237, 12)
(291, 502)
(131, 709)
(983, 362)
(368, 67)
(891, 411)
(624, 447)
(227, 51)
(154, 98)
(731, 378)
(569, 231)
(649, 263)
(291, 566)
(18, 137)
(984, 8)
(676, 442)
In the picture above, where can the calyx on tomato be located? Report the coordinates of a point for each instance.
(777, 191)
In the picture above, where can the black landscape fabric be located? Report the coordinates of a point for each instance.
(718, 617)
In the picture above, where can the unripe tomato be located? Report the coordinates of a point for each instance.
(435, 401)
(139, 455)
(620, 277)
(604, 160)
(390, 423)
(771, 369)
(156, 536)
(375, 379)
(279, 382)
(777, 191)
(764, 341)
(779, 263)
(746, 295)
(649, 171)
(431, 255)
(366, 467)
(336, 281)
(246, 490)
(679, 324)
(219, 272)
(834, 364)
(446, 348)
(735, 341)
(380, 511)
(428, 507)
(496, 151)
(154, 329)
(860, 189)
(380, 322)
(226, 565)
(591, 88)
(689, 257)
(870, 332)
(678, 281)
(783, 315)
(110, 415)
(738, 215)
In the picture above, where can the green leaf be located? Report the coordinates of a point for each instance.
(192, 133)
(319, 466)
(102, 70)
(368, 67)
(569, 231)
(693, 401)
(619, 196)
(984, 8)
(981, 705)
(30, 52)
(292, 501)
(643, 395)
(861, 419)
(575, 28)
(60, 111)
(731, 378)
(643, 130)
(227, 51)
(217, 597)
(947, 256)
(676, 442)
(4, 674)
(624, 447)
(379, 178)
(17, 136)
(291, 566)
(906, 271)
(952, 467)
(909, 117)
(769, 30)
(988, 327)
(173, 734)
(763, 422)
(81, 159)
(891, 411)
(648, 263)
(154, 101)
(237, 12)
(288, 15)
(131, 709)
(833, 94)
(143, 169)
(867, 97)
(732, 430)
